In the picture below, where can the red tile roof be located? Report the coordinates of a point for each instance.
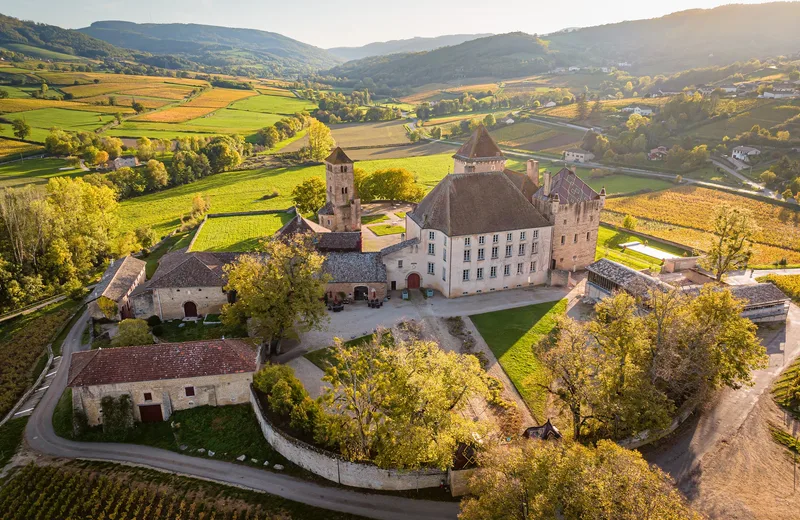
(162, 361)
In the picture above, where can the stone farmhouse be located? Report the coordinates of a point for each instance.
(119, 281)
(163, 378)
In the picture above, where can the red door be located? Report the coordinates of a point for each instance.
(413, 281)
(150, 413)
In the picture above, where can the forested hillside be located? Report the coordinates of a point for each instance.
(54, 38)
(396, 46)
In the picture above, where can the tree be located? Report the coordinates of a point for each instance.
(393, 184)
(309, 195)
(3, 94)
(138, 107)
(144, 149)
(629, 222)
(489, 121)
(583, 108)
(132, 332)
(21, 128)
(787, 194)
(731, 247)
(200, 205)
(268, 136)
(128, 181)
(320, 141)
(535, 480)
(108, 307)
(155, 175)
(279, 290)
(145, 236)
(768, 177)
(222, 154)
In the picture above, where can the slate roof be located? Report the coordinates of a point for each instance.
(630, 280)
(480, 145)
(300, 224)
(161, 361)
(197, 269)
(569, 187)
(327, 209)
(475, 203)
(338, 156)
(758, 294)
(522, 182)
(354, 267)
(118, 278)
(339, 241)
(399, 246)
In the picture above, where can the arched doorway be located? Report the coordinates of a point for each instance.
(190, 310)
(361, 292)
(412, 282)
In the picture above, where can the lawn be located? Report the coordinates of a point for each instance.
(373, 219)
(238, 233)
(34, 171)
(177, 331)
(10, 438)
(387, 229)
(274, 105)
(511, 335)
(608, 241)
(400, 214)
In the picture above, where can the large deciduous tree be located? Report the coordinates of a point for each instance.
(309, 195)
(731, 247)
(132, 332)
(278, 290)
(392, 184)
(21, 128)
(320, 141)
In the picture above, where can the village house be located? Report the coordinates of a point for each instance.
(163, 378)
(121, 162)
(658, 154)
(642, 111)
(577, 155)
(745, 153)
(121, 278)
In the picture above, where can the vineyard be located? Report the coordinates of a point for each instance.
(789, 284)
(238, 233)
(176, 114)
(686, 215)
(78, 491)
(10, 147)
(219, 97)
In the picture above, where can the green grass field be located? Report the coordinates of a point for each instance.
(45, 54)
(387, 229)
(510, 335)
(46, 118)
(34, 171)
(609, 239)
(373, 219)
(14, 92)
(38, 135)
(274, 105)
(238, 233)
(223, 121)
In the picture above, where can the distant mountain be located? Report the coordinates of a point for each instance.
(395, 46)
(54, 38)
(216, 46)
(498, 56)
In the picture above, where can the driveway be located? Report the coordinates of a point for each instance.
(40, 437)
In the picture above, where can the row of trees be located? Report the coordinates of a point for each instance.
(286, 128)
(340, 108)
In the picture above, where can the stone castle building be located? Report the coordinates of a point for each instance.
(342, 209)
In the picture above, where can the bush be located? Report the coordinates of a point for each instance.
(152, 321)
(158, 330)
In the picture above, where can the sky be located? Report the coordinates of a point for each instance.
(338, 23)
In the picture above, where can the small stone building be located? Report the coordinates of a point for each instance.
(342, 209)
(185, 285)
(163, 378)
(121, 278)
(358, 276)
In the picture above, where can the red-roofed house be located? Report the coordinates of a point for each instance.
(163, 378)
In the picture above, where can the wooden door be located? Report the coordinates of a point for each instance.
(190, 310)
(413, 281)
(150, 413)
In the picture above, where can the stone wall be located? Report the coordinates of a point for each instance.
(168, 302)
(170, 394)
(334, 468)
(575, 234)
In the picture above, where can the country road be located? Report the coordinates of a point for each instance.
(40, 437)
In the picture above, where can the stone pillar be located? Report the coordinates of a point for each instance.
(533, 171)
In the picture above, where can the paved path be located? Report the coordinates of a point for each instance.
(31, 402)
(734, 173)
(40, 437)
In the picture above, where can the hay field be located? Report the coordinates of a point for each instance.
(175, 114)
(10, 106)
(220, 97)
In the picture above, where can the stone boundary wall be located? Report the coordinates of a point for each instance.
(646, 437)
(336, 469)
(650, 237)
(292, 211)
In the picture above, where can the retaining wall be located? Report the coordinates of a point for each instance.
(336, 469)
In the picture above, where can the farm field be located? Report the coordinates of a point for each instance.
(571, 111)
(219, 97)
(351, 135)
(398, 152)
(126, 100)
(34, 171)
(104, 490)
(10, 147)
(245, 190)
(14, 105)
(534, 136)
(608, 241)
(757, 112)
(788, 283)
(175, 115)
(274, 104)
(156, 130)
(38, 135)
(46, 118)
(238, 233)
(510, 334)
(13, 92)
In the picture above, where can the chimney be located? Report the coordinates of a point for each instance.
(533, 171)
(546, 183)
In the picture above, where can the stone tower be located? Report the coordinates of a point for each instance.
(342, 211)
(479, 154)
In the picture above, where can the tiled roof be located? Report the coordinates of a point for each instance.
(480, 145)
(474, 203)
(327, 209)
(632, 281)
(354, 267)
(576, 150)
(522, 182)
(758, 294)
(569, 187)
(339, 241)
(118, 278)
(162, 361)
(198, 269)
(300, 224)
(400, 245)
(338, 157)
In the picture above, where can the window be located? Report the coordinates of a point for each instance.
(431, 235)
(479, 274)
(522, 235)
(432, 248)
(588, 235)
(480, 254)
(399, 264)
(522, 250)
(565, 222)
(481, 240)
(535, 248)
(535, 234)
(493, 272)
(508, 250)
(430, 267)
(189, 391)
(494, 252)
(148, 396)
(507, 270)
(495, 239)
(467, 255)
(444, 274)
(467, 242)
(563, 239)
(444, 255)
(533, 267)
(519, 268)
(465, 275)
(509, 237)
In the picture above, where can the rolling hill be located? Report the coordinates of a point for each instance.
(408, 45)
(215, 46)
(16, 34)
